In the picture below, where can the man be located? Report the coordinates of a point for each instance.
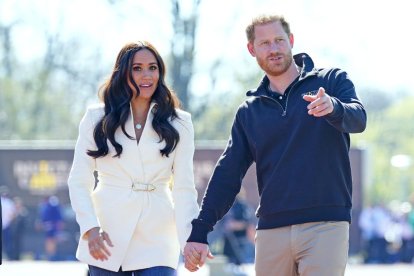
(295, 126)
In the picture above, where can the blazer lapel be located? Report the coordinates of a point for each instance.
(132, 160)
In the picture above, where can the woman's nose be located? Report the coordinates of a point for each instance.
(147, 73)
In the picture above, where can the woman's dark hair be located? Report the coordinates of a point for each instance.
(116, 94)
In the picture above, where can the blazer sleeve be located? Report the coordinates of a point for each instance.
(184, 192)
(81, 180)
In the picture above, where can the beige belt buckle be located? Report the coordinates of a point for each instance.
(144, 187)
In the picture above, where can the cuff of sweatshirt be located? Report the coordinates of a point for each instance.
(199, 232)
(338, 110)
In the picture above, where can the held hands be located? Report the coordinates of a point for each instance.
(96, 244)
(320, 104)
(195, 255)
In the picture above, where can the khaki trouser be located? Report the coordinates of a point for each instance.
(309, 249)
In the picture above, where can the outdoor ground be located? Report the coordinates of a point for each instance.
(43, 268)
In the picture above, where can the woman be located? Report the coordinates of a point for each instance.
(141, 146)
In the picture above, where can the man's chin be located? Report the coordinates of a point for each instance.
(274, 73)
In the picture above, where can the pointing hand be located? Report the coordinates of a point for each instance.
(320, 104)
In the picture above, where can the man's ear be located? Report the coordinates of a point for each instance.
(291, 40)
(250, 47)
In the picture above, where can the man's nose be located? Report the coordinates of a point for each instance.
(274, 46)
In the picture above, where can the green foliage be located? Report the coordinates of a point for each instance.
(32, 110)
(214, 120)
(389, 132)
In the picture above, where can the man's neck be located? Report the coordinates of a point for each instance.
(280, 83)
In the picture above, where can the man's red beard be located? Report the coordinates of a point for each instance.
(275, 69)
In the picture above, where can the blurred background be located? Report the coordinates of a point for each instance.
(54, 55)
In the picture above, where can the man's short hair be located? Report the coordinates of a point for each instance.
(265, 19)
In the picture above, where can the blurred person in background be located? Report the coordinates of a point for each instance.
(402, 232)
(237, 227)
(1, 236)
(8, 212)
(51, 223)
(18, 228)
(410, 242)
(296, 128)
(374, 222)
(134, 222)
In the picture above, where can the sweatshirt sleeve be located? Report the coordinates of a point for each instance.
(81, 179)
(348, 115)
(224, 184)
(184, 192)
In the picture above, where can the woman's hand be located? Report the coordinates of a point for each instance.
(97, 247)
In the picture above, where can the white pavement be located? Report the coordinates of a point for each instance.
(43, 268)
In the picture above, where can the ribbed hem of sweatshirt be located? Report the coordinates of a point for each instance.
(327, 213)
(199, 232)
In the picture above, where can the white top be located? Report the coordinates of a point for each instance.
(147, 228)
(8, 211)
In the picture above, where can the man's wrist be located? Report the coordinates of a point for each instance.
(199, 232)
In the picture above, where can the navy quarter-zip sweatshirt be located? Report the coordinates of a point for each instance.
(302, 162)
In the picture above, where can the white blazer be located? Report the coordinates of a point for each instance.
(147, 228)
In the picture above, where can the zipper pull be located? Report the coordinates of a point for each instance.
(284, 113)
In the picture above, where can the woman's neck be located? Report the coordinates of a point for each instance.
(140, 107)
